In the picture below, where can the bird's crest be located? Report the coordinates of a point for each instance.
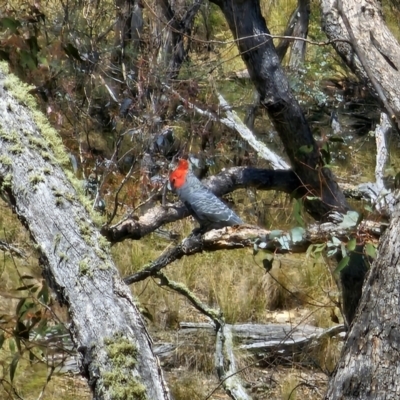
(178, 175)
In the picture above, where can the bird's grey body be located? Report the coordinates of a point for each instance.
(205, 206)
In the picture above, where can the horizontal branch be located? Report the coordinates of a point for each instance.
(271, 340)
(296, 241)
(225, 182)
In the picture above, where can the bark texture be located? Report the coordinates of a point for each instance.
(176, 26)
(259, 54)
(115, 350)
(370, 364)
(298, 27)
(379, 47)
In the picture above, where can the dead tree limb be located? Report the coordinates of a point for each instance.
(224, 355)
(4, 246)
(226, 365)
(238, 237)
(223, 183)
(214, 315)
(114, 347)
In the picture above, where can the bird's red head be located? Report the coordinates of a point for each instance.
(178, 175)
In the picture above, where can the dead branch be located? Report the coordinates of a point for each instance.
(238, 237)
(224, 342)
(4, 246)
(226, 365)
(213, 314)
(225, 182)
(233, 122)
(271, 340)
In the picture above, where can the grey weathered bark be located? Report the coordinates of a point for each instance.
(370, 362)
(298, 27)
(115, 350)
(274, 340)
(379, 47)
(259, 54)
(177, 23)
(298, 51)
(369, 367)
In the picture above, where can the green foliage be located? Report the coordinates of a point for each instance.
(370, 250)
(342, 264)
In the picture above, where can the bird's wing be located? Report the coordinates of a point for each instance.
(212, 209)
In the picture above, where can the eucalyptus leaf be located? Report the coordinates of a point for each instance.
(267, 264)
(306, 149)
(350, 219)
(332, 252)
(284, 241)
(274, 234)
(342, 265)
(13, 366)
(370, 250)
(351, 245)
(297, 234)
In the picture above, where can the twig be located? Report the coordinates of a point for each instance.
(4, 246)
(118, 190)
(232, 121)
(214, 315)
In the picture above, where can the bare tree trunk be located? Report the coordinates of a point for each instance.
(369, 367)
(298, 52)
(177, 23)
(106, 326)
(298, 27)
(370, 363)
(258, 52)
(128, 31)
(380, 49)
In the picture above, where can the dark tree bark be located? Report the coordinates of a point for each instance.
(297, 26)
(259, 55)
(352, 279)
(106, 326)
